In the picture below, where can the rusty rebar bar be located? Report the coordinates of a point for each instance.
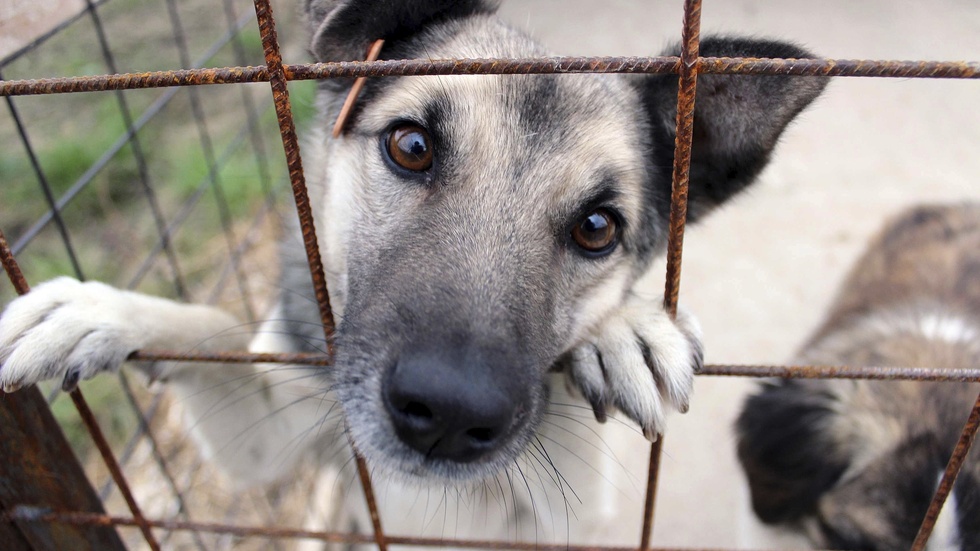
(98, 437)
(932, 374)
(10, 266)
(883, 373)
(504, 66)
(21, 286)
(956, 460)
(280, 93)
(287, 129)
(34, 514)
(683, 142)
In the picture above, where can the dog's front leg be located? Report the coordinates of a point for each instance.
(69, 331)
(638, 361)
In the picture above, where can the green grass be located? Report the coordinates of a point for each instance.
(110, 225)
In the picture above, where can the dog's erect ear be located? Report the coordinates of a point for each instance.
(737, 119)
(343, 29)
(787, 448)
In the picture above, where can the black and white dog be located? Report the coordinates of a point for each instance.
(856, 463)
(483, 238)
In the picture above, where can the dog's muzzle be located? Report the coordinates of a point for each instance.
(452, 406)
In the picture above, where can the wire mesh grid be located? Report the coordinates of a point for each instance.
(163, 260)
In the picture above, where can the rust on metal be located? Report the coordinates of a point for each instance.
(29, 514)
(967, 438)
(287, 128)
(373, 52)
(110, 462)
(10, 266)
(319, 360)
(683, 143)
(508, 66)
(40, 469)
(884, 373)
(934, 374)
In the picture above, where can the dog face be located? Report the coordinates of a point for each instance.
(476, 227)
(858, 462)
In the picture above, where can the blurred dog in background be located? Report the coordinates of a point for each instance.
(483, 239)
(855, 463)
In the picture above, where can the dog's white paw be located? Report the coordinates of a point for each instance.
(639, 362)
(65, 329)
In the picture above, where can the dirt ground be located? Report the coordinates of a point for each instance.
(759, 273)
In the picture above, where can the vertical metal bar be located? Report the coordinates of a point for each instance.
(21, 286)
(45, 186)
(157, 454)
(686, 93)
(134, 142)
(207, 148)
(251, 112)
(110, 462)
(166, 245)
(287, 127)
(183, 213)
(967, 438)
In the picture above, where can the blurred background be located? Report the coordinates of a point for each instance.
(204, 167)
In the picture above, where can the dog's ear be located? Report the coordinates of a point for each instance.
(737, 119)
(788, 449)
(342, 30)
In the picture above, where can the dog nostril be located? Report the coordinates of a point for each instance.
(481, 435)
(417, 410)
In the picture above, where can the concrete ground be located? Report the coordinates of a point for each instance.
(760, 273)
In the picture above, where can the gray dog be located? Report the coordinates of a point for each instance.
(856, 463)
(483, 238)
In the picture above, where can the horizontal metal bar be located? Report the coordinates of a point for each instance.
(34, 514)
(934, 374)
(553, 65)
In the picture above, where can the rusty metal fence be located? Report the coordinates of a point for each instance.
(40, 514)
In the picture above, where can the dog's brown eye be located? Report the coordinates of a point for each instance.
(596, 232)
(410, 147)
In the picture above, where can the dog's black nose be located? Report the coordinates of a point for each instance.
(446, 409)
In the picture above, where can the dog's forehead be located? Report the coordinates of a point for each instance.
(566, 134)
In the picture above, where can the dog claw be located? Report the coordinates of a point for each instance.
(70, 381)
(11, 387)
(651, 435)
(599, 410)
(684, 407)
